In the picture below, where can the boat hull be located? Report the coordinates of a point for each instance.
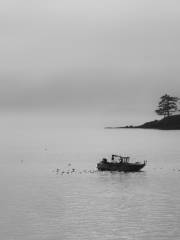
(120, 167)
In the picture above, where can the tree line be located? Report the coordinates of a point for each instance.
(167, 105)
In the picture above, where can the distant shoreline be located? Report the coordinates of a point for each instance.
(167, 123)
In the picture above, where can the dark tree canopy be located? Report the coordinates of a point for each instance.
(167, 105)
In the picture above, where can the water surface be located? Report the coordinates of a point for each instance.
(38, 204)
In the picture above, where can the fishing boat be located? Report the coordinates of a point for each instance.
(120, 164)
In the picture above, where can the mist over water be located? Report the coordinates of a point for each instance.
(38, 204)
(69, 69)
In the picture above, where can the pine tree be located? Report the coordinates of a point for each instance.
(167, 105)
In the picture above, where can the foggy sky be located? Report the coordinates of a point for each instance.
(105, 56)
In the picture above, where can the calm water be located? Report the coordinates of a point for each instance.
(38, 204)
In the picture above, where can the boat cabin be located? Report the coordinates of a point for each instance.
(120, 159)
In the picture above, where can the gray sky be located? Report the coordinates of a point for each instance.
(108, 57)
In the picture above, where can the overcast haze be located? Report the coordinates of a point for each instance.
(107, 58)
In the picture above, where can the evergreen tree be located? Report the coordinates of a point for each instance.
(167, 105)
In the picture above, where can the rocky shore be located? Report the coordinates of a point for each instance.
(167, 123)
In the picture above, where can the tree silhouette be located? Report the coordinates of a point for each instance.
(167, 105)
